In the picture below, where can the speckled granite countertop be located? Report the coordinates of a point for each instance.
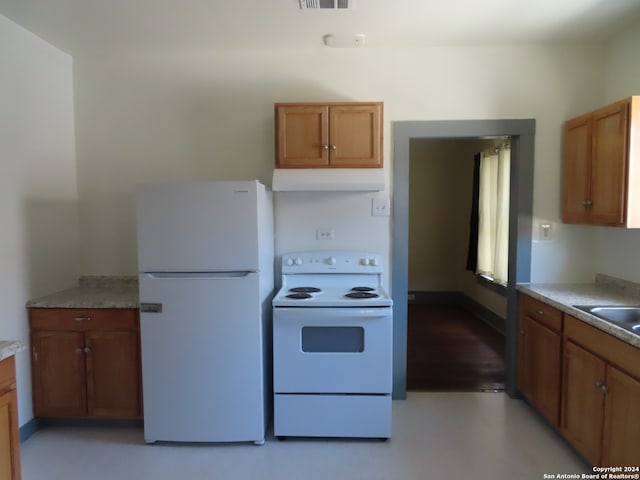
(93, 292)
(605, 291)
(10, 347)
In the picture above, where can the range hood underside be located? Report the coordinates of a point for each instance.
(328, 179)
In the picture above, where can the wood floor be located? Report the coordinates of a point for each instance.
(450, 350)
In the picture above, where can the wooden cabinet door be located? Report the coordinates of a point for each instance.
(9, 437)
(58, 374)
(576, 169)
(542, 348)
(583, 401)
(609, 165)
(112, 373)
(302, 136)
(355, 134)
(621, 420)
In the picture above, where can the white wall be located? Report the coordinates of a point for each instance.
(440, 190)
(618, 248)
(440, 182)
(38, 194)
(209, 115)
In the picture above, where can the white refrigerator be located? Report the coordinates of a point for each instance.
(205, 264)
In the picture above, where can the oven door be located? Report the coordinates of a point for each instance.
(332, 350)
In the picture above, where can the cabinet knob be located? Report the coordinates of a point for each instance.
(540, 312)
(522, 332)
(87, 350)
(587, 203)
(325, 147)
(78, 351)
(333, 147)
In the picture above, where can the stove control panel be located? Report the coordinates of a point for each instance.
(331, 262)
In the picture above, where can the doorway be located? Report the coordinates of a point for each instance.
(521, 199)
(455, 323)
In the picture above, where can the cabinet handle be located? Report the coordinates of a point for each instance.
(587, 203)
(601, 386)
(82, 319)
(540, 312)
(333, 147)
(35, 354)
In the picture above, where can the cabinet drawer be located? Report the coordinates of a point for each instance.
(616, 351)
(543, 313)
(81, 319)
(7, 374)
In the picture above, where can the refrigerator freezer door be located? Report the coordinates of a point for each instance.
(199, 226)
(202, 358)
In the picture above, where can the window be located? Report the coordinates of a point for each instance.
(493, 215)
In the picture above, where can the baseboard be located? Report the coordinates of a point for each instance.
(489, 317)
(460, 299)
(435, 298)
(35, 424)
(90, 422)
(28, 429)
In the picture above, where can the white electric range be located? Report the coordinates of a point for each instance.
(332, 346)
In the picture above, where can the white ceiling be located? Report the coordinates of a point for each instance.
(84, 27)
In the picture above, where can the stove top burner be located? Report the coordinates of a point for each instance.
(305, 290)
(298, 296)
(362, 289)
(360, 295)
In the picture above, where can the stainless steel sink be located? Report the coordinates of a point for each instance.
(625, 317)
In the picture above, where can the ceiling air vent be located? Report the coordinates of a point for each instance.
(326, 4)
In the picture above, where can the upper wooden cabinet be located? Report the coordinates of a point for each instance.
(328, 135)
(601, 166)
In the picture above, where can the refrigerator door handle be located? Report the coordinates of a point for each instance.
(198, 275)
(146, 307)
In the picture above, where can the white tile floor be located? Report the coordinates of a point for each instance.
(435, 436)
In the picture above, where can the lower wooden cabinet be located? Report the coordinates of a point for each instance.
(621, 434)
(539, 357)
(601, 395)
(583, 401)
(9, 434)
(583, 380)
(85, 363)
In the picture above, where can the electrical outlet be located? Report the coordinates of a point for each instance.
(325, 234)
(380, 207)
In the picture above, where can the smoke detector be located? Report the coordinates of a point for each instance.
(326, 4)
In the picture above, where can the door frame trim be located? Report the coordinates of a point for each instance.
(522, 133)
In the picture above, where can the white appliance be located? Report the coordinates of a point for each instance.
(205, 261)
(332, 347)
